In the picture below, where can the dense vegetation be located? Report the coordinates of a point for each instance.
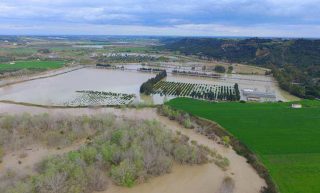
(31, 65)
(18, 131)
(285, 139)
(119, 58)
(295, 63)
(147, 87)
(129, 152)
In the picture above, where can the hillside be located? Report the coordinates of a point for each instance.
(295, 62)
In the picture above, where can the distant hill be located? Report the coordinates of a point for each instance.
(294, 62)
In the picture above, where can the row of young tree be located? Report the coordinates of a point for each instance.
(224, 93)
(237, 91)
(147, 87)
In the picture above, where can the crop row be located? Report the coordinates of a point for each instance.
(200, 91)
(85, 98)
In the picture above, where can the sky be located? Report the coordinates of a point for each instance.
(257, 18)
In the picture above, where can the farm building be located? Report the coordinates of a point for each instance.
(296, 106)
(253, 95)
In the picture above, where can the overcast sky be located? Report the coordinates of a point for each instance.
(281, 18)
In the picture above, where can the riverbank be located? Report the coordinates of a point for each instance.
(183, 179)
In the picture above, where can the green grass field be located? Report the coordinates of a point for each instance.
(31, 65)
(286, 140)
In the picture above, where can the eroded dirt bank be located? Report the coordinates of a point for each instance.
(183, 179)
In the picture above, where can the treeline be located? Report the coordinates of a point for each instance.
(104, 65)
(147, 87)
(143, 69)
(295, 63)
(129, 58)
(297, 82)
(195, 73)
(237, 91)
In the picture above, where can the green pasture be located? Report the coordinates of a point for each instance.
(286, 140)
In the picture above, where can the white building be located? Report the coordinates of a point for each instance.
(296, 106)
(253, 95)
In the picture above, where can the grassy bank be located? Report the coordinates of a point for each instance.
(285, 139)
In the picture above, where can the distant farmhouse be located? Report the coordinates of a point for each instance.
(296, 106)
(254, 95)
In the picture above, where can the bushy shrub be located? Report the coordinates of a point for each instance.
(182, 118)
(129, 151)
(88, 154)
(97, 181)
(111, 153)
(124, 173)
(1, 153)
(226, 141)
(21, 187)
(53, 131)
(187, 123)
(182, 153)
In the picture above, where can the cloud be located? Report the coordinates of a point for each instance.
(208, 16)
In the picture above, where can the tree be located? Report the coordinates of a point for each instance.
(124, 173)
(1, 154)
(178, 91)
(220, 69)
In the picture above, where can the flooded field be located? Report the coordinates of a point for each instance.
(259, 83)
(64, 89)
(61, 89)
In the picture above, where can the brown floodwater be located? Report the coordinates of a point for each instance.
(61, 89)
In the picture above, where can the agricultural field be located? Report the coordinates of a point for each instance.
(31, 65)
(17, 51)
(199, 91)
(87, 98)
(285, 139)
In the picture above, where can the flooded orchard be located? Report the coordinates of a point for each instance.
(62, 89)
(93, 86)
